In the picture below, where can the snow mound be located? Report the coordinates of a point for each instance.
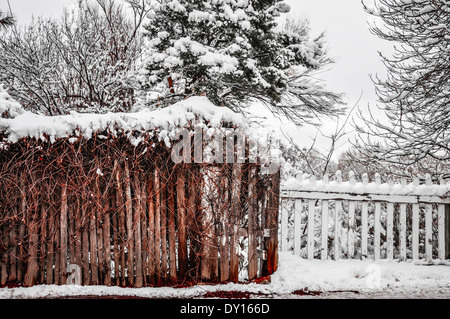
(9, 108)
(197, 111)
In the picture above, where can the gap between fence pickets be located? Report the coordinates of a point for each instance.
(314, 193)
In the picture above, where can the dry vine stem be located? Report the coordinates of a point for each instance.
(128, 216)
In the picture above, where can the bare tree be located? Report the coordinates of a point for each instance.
(415, 95)
(80, 62)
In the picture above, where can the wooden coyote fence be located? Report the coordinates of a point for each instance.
(118, 214)
(334, 219)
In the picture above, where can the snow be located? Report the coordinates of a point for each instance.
(166, 121)
(311, 185)
(332, 278)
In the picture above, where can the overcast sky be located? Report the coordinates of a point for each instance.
(351, 45)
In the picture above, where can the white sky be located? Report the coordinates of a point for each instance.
(351, 45)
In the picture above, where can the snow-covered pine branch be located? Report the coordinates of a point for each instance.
(236, 53)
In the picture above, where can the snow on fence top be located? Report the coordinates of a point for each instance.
(165, 122)
(302, 184)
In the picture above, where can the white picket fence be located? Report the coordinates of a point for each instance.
(335, 219)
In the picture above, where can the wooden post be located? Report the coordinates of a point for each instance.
(107, 243)
(390, 231)
(85, 240)
(138, 237)
(63, 234)
(144, 229)
(120, 263)
(284, 225)
(171, 227)
(43, 241)
(311, 224)
(271, 243)
(31, 275)
(235, 214)
(4, 258)
(50, 246)
(298, 206)
(337, 222)
(182, 226)
(151, 229)
(115, 222)
(129, 224)
(252, 225)
(224, 241)
(163, 192)
(324, 236)
(157, 258)
(447, 231)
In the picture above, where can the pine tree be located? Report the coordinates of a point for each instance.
(5, 21)
(235, 52)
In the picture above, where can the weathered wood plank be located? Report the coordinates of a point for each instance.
(351, 229)
(441, 231)
(377, 231)
(311, 225)
(284, 226)
(390, 231)
(364, 229)
(298, 206)
(429, 232)
(151, 228)
(415, 231)
(183, 262)
(337, 229)
(63, 233)
(252, 225)
(137, 234)
(271, 243)
(171, 231)
(158, 227)
(235, 219)
(324, 232)
(129, 225)
(402, 230)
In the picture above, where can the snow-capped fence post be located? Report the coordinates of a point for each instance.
(383, 212)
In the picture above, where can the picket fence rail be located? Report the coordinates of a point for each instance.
(381, 220)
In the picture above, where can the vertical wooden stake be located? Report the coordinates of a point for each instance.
(64, 233)
(324, 236)
(182, 225)
(252, 225)
(158, 226)
(298, 206)
(138, 235)
(151, 229)
(447, 231)
(172, 233)
(390, 231)
(235, 220)
(402, 230)
(129, 223)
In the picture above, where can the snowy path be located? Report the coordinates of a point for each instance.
(319, 279)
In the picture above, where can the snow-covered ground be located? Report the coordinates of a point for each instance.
(326, 279)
